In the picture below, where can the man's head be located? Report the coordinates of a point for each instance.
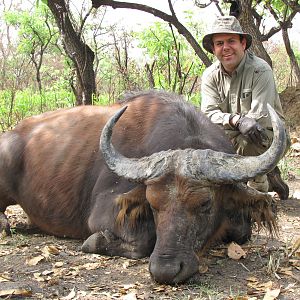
(227, 42)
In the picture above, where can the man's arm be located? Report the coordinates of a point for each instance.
(212, 103)
(264, 92)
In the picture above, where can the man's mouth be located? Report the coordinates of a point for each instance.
(227, 56)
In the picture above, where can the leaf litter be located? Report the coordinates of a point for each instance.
(37, 266)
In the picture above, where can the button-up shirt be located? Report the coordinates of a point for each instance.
(245, 92)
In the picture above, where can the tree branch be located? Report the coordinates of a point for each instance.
(162, 15)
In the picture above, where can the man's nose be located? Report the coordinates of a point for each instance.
(226, 45)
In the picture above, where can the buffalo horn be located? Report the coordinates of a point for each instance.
(204, 165)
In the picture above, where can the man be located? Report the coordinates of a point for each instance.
(235, 92)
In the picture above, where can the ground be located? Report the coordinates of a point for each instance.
(38, 266)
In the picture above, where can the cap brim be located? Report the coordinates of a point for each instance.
(207, 39)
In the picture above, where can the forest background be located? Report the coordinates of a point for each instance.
(64, 53)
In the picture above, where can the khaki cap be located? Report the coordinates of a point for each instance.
(228, 24)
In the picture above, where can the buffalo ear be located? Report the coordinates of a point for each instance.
(264, 214)
(133, 206)
(261, 207)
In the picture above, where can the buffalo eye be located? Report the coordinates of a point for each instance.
(205, 205)
(154, 210)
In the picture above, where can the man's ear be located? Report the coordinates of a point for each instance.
(244, 43)
(213, 48)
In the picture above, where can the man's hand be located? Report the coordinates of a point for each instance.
(251, 129)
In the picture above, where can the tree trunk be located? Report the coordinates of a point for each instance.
(80, 53)
(248, 25)
(293, 60)
(149, 71)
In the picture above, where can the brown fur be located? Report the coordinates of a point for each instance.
(52, 167)
(133, 206)
(259, 206)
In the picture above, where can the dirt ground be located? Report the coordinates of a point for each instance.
(38, 266)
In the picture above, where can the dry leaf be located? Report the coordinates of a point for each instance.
(130, 296)
(295, 146)
(296, 194)
(217, 253)
(38, 277)
(47, 250)
(90, 266)
(26, 292)
(59, 264)
(252, 279)
(295, 263)
(47, 272)
(295, 247)
(71, 295)
(160, 288)
(73, 272)
(260, 286)
(128, 286)
(35, 260)
(59, 271)
(5, 277)
(203, 269)
(271, 294)
(286, 271)
(294, 140)
(235, 251)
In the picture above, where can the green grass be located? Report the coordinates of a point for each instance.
(286, 166)
(26, 103)
(23, 104)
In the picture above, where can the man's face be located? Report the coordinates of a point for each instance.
(229, 50)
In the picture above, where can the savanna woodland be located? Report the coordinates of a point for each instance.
(64, 53)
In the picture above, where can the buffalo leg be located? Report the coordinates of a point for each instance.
(11, 164)
(106, 243)
(4, 225)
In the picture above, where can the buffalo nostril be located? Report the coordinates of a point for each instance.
(170, 269)
(165, 270)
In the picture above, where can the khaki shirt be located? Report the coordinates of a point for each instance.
(246, 92)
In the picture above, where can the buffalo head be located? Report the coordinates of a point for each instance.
(188, 191)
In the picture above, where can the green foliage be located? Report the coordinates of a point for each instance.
(35, 28)
(278, 7)
(26, 103)
(14, 108)
(157, 39)
(176, 65)
(297, 53)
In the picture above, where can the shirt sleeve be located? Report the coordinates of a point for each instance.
(264, 91)
(211, 102)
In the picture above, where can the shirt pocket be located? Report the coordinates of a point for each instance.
(246, 99)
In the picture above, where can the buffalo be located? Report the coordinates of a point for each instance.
(163, 182)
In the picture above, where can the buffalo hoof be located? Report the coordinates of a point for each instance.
(106, 243)
(101, 242)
